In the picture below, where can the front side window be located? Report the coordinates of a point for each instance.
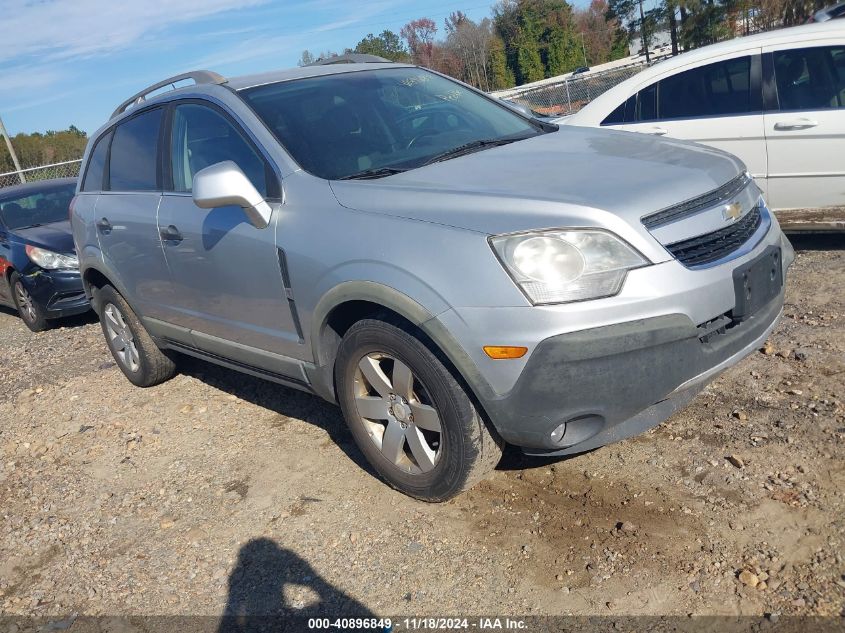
(45, 206)
(94, 174)
(810, 78)
(718, 89)
(346, 124)
(202, 137)
(134, 151)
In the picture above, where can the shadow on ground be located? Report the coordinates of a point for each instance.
(273, 589)
(79, 320)
(817, 241)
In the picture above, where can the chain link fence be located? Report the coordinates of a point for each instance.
(67, 169)
(557, 98)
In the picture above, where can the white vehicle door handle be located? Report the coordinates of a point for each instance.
(796, 124)
(658, 131)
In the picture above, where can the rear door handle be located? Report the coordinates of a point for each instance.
(658, 131)
(796, 124)
(104, 225)
(170, 234)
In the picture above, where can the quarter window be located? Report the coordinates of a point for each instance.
(134, 151)
(202, 137)
(95, 172)
(811, 78)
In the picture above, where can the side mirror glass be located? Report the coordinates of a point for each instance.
(224, 184)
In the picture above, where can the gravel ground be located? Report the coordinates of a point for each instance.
(217, 491)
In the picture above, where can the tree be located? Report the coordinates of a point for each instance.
(44, 148)
(387, 45)
(419, 34)
(501, 75)
(305, 59)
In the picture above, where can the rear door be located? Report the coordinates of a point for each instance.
(805, 129)
(717, 103)
(125, 215)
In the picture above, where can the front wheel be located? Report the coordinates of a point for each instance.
(409, 415)
(31, 313)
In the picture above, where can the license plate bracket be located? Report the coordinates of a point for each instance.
(757, 282)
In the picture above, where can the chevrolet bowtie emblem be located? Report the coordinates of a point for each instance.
(732, 211)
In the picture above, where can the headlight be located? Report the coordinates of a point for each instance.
(567, 265)
(49, 260)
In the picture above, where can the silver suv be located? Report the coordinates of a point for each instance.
(454, 274)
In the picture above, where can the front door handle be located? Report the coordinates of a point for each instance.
(170, 234)
(104, 225)
(658, 131)
(796, 124)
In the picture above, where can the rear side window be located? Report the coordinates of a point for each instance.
(202, 137)
(811, 78)
(95, 173)
(134, 151)
(647, 104)
(716, 89)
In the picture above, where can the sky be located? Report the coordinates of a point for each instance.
(71, 62)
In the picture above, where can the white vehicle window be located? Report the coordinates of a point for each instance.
(810, 78)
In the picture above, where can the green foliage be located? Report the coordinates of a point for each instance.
(502, 75)
(387, 45)
(44, 148)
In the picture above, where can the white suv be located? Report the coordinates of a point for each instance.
(776, 100)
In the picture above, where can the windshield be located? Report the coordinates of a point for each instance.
(44, 206)
(390, 119)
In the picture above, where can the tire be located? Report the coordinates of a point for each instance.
(384, 370)
(31, 313)
(138, 357)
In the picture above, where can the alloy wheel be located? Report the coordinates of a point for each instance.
(26, 305)
(398, 413)
(121, 338)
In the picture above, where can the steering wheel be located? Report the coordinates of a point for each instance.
(425, 133)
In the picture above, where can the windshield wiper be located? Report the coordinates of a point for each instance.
(369, 174)
(469, 148)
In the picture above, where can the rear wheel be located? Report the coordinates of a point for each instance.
(31, 313)
(409, 415)
(135, 352)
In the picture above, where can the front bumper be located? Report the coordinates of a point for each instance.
(609, 383)
(58, 292)
(604, 370)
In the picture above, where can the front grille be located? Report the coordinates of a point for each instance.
(691, 207)
(704, 249)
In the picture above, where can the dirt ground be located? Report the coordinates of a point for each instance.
(218, 491)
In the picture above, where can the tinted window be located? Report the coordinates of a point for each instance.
(339, 125)
(647, 103)
(811, 78)
(132, 164)
(714, 90)
(624, 113)
(96, 165)
(616, 117)
(202, 137)
(44, 206)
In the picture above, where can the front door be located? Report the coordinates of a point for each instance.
(227, 280)
(805, 135)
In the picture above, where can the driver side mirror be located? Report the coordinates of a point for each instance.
(224, 184)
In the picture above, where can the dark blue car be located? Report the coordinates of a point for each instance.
(39, 272)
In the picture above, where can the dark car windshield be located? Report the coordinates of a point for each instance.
(391, 119)
(42, 206)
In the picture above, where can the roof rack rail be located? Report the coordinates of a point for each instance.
(350, 58)
(199, 77)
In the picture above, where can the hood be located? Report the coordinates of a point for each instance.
(55, 236)
(571, 177)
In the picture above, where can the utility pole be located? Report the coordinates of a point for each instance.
(584, 48)
(642, 33)
(14, 156)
